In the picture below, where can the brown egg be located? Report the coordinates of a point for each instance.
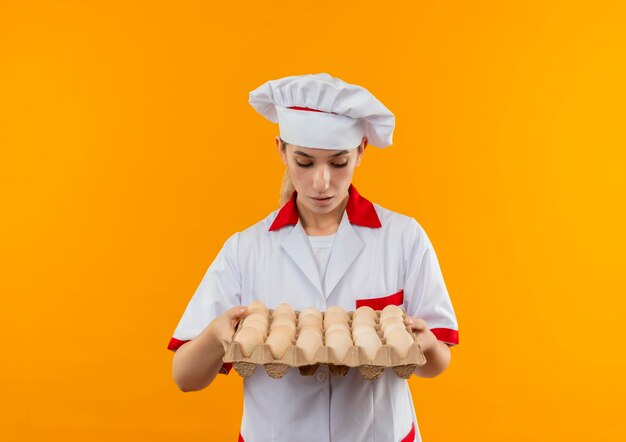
(391, 326)
(312, 328)
(311, 311)
(309, 320)
(309, 342)
(365, 310)
(285, 330)
(391, 320)
(339, 329)
(283, 321)
(256, 317)
(258, 307)
(360, 329)
(278, 342)
(401, 341)
(339, 343)
(339, 326)
(391, 311)
(336, 309)
(363, 320)
(334, 318)
(248, 338)
(258, 325)
(285, 309)
(370, 342)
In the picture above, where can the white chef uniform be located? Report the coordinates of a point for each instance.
(379, 257)
(321, 247)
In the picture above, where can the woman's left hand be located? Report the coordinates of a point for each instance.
(424, 337)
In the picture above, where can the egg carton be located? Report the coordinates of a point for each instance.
(386, 357)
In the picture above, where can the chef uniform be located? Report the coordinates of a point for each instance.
(377, 257)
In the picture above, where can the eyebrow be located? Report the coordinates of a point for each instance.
(343, 152)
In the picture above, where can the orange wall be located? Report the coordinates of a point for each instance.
(129, 153)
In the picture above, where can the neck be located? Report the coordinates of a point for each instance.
(325, 224)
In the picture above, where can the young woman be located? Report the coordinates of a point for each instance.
(327, 245)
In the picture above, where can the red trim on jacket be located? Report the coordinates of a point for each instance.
(176, 343)
(446, 335)
(382, 302)
(411, 436)
(360, 212)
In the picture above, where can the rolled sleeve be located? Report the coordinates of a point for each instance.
(426, 295)
(219, 290)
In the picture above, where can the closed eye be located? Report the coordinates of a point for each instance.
(338, 166)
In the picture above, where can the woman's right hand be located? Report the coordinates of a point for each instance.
(223, 327)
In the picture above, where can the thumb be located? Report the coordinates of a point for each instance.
(236, 312)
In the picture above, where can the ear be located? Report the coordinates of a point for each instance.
(279, 147)
(362, 148)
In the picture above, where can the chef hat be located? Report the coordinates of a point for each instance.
(320, 111)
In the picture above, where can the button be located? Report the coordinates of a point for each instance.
(320, 376)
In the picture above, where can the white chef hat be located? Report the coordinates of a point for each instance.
(320, 111)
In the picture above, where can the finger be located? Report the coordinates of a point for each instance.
(234, 314)
(237, 311)
(417, 324)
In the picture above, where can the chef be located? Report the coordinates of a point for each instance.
(326, 245)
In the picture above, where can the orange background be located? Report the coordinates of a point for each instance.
(129, 153)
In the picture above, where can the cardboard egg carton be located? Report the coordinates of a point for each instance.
(356, 357)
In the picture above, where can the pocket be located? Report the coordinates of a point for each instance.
(380, 303)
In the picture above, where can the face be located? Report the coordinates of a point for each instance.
(321, 177)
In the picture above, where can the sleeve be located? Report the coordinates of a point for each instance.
(219, 290)
(425, 290)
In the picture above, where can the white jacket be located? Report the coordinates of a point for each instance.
(379, 257)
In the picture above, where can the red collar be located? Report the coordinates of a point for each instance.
(360, 212)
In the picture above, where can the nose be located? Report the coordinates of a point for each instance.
(321, 179)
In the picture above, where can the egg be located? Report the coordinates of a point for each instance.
(310, 320)
(393, 326)
(391, 311)
(334, 318)
(390, 320)
(311, 328)
(311, 311)
(363, 320)
(285, 309)
(339, 326)
(365, 310)
(248, 338)
(370, 343)
(336, 309)
(360, 329)
(339, 343)
(283, 321)
(309, 342)
(257, 305)
(285, 329)
(278, 342)
(256, 317)
(258, 325)
(400, 340)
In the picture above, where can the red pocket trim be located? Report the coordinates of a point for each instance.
(381, 303)
(411, 436)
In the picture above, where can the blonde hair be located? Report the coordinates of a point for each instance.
(286, 187)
